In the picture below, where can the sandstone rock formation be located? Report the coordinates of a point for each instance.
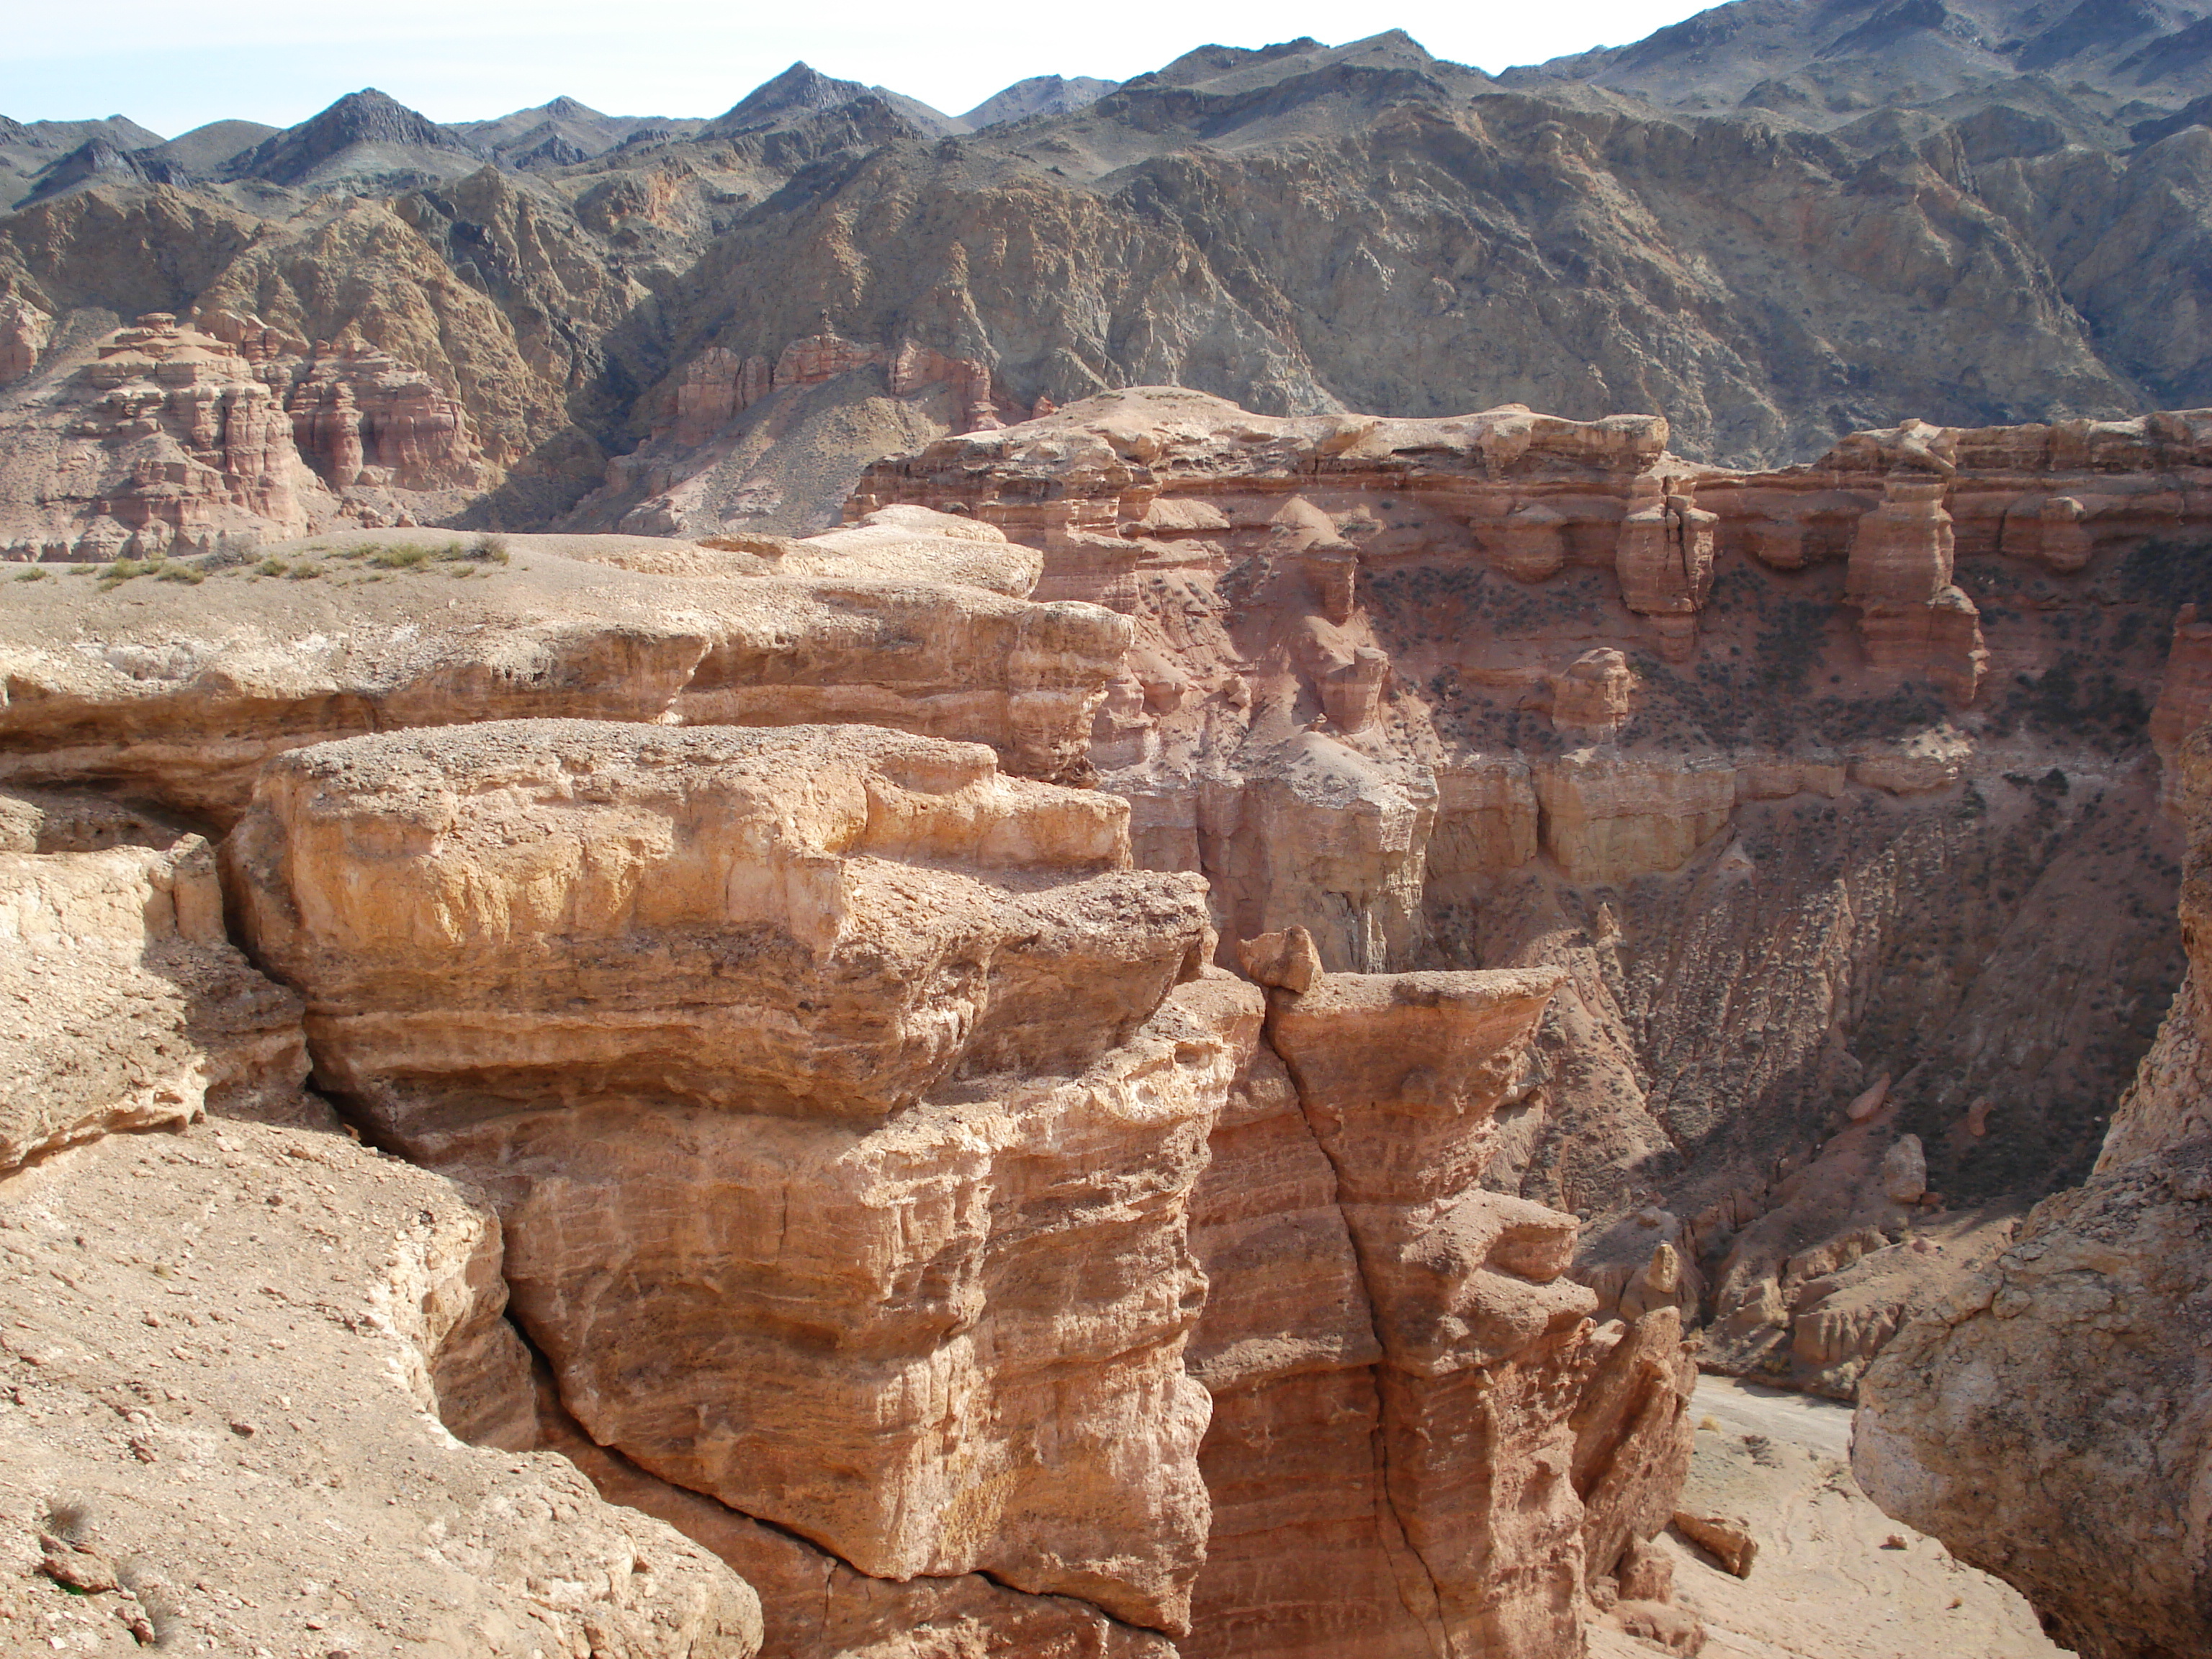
(192, 439)
(960, 1066)
(901, 1202)
(198, 1324)
(1258, 555)
(1365, 1294)
(949, 1337)
(130, 1009)
(2048, 1421)
(161, 698)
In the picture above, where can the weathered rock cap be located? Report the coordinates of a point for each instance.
(1401, 1074)
(802, 920)
(1288, 959)
(1370, 1037)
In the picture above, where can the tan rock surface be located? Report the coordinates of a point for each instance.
(2048, 1421)
(1608, 816)
(179, 690)
(224, 1350)
(129, 1008)
(1739, 928)
(908, 1020)
(1827, 1584)
(817, 1604)
(2046, 1416)
(1521, 1453)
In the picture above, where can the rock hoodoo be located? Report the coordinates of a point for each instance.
(195, 438)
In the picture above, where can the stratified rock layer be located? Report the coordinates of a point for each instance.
(190, 440)
(130, 1009)
(910, 1033)
(1420, 1442)
(181, 690)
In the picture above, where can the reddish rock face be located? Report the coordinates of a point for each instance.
(1420, 1442)
(1530, 496)
(361, 416)
(189, 439)
(22, 336)
(1720, 744)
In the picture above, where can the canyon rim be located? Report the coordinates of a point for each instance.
(1187, 868)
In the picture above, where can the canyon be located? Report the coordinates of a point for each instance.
(1178, 1038)
(772, 886)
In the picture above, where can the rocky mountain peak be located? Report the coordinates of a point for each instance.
(367, 117)
(1041, 94)
(97, 158)
(800, 90)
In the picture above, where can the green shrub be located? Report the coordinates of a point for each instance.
(400, 558)
(120, 571)
(34, 575)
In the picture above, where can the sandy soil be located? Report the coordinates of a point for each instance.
(211, 1413)
(1824, 1585)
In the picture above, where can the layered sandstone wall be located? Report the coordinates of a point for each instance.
(1742, 752)
(945, 1072)
(163, 694)
(198, 1260)
(903, 1197)
(946, 1118)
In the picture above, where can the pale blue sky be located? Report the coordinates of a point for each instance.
(279, 61)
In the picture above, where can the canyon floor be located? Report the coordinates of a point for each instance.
(1831, 1580)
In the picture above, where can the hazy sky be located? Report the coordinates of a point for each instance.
(279, 61)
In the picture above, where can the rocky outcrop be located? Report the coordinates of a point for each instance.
(1689, 837)
(1007, 1183)
(129, 1008)
(148, 693)
(177, 438)
(949, 1067)
(1910, 615)
(2184, 695)
(1607, 817)
(23, 334)
(2047, 1417)
(1563, 1441)
(1665, 561)
(706, 465)
(360, 416)
(1595, 696)
(962, 1107)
